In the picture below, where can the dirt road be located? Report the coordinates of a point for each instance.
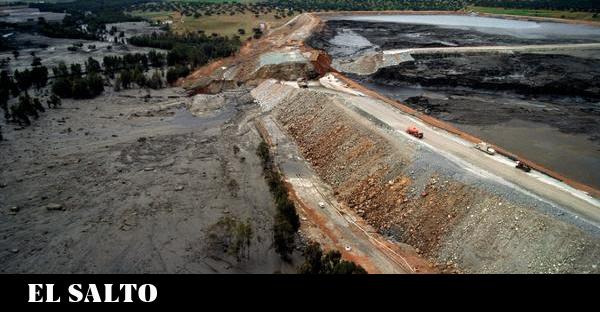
(495, 167)
(356, 240)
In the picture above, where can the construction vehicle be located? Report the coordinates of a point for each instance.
(522, 166)
(486, 148)
(302, 83)
(414, 132)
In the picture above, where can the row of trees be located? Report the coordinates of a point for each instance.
(96, 14)
(372, 5)
(378, 5)
(72, 83)
(85, 19)
(287, 221)
(69, 81)
(65, 30)
(17, 85)
(113, 64)
(575, 5)
(92, 12)
(317, 262)
(136, 75)
(26, 107)
(189, 49)
(79, 81)
(127, 70)
(18, 88)
(36, 77)
(199, 9)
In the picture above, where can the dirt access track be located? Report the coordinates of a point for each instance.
(438, 203)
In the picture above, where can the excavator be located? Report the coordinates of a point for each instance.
(415, 132)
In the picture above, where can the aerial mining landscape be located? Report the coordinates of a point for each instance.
(312, 137)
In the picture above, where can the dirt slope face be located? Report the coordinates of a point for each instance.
(418, 197)
(280, 54)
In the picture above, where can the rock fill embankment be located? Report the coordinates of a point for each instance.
(413, 195)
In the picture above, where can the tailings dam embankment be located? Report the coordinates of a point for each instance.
(541, 105)
(450, 212)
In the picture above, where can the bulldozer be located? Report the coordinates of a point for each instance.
(414, 132)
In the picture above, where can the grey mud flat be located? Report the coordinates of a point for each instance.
(120, 185)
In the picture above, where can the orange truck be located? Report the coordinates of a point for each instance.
(414, 132)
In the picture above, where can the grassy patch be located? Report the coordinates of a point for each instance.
(223, 24)
(158, 16)
(232, 237)
(587, 16)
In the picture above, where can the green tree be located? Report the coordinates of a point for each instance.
(137, 76)
(330, 263)
(156, 59)
(61, 70)
(62, 87)
(176, 72)
(92, 66)
(312, 255)
(36, 61)
(80, 88)
(4, 103)
(23, 79)
(25, 107)
(54, 101)
(155, 82)
(95, 84)
(283, 237)
(37, 105)
(6, 87)
(39, 76)
(125, 78)
(76, 71)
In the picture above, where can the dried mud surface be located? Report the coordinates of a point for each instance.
(120, 185)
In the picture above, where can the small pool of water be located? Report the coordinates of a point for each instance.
(275, 58)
